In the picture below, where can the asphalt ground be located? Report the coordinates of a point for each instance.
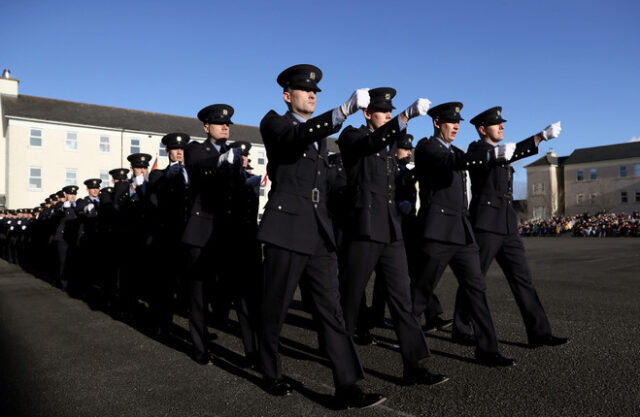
(60, 358)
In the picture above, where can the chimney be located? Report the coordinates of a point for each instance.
(8, 85)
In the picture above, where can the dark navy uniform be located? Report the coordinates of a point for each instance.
(169, 199)
(374, 232)
(496, 229)
(298, 234)
(206, 227)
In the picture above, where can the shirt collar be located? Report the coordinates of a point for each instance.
(298, 117)
(446, 145)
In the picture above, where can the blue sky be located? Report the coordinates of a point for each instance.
(543, 61)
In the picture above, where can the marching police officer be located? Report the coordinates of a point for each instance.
(447, 236)
(210, 166)
(296, 147)
(495, 225)
(374, 235)
(170, 193)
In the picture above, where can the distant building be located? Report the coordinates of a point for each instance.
(49, 143)
(590, 179)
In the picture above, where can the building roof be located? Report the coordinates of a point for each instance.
(61, 111)
(605, 153)
(547, 160)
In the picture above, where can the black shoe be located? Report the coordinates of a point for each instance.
(203, 359)
(548, 340)
(422, 377)
(354, 397)
(494, 359)
(364, 339)
(464, 339)
(278, 387)
(436, 323)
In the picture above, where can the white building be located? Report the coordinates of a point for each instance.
(49, 143)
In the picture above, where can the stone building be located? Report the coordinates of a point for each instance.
(49, 143)
(590, 179)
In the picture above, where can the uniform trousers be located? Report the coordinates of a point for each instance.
(317, 275)
(508, 251)
(464, 261)
(389, 261)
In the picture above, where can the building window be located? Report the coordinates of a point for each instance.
(637, 196)
(538, 188)
(162, 151)
(261, 158)
(35, 138)
(579, 199)
(105, 146)
(636, 170)
(35, 178)
(71, 176)
(135, 146)
(623, 170)
(593, 174)
(72, 141)
(105, 177)
(580, 175)
(592, 198)
(623, 197)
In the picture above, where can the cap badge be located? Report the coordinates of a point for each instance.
(225, 112)
(312, 75)
(142, 158)
(498, 112)
(95, 182)
(457, 109)
(387, 96)
(179, 138)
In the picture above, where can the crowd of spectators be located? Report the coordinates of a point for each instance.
(602, 224)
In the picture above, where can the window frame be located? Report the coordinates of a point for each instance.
(30, 177)
(31, 136)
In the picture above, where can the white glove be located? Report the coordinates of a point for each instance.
(418, 108)
(230, 156)
(66, 204)
(505, 151)
(359, 100)
(139, 180)
(551, 131)
(88, 207)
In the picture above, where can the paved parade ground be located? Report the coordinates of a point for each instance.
(60, 358)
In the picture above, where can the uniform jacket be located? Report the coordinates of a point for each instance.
(443, 214)
(201, 161)
(170, 202)
(492, 189)
(296, 216)
(371, 171)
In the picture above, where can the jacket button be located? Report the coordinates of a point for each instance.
(441, 210)
(390, 201)
(310, 129)
(326, 124)
(197, 213)
(489, 202)
(317, 126)
(279, 207)
(315, 205)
